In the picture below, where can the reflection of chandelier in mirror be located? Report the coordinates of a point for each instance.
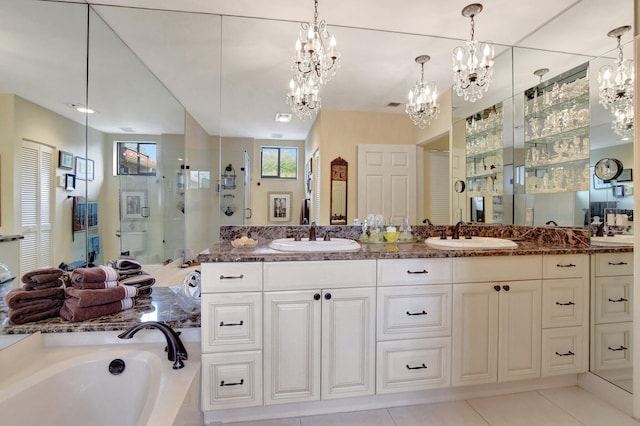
(471, 77)
(314, 59)
(422, 106)
(616, 88)
(622, 124)
(304, 99)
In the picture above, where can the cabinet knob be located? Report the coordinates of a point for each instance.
(496, 287)
(316, 296)
(327, 296)
(506, 287)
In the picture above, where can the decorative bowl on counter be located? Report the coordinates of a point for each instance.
(244, 242)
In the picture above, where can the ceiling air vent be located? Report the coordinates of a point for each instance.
(394, 104)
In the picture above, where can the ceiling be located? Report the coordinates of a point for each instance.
(228, 63)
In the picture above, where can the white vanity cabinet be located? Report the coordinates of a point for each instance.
(319, 330)
(496, 319)
(613, 299)
(414, 324)
(565, 308)
(231, 331)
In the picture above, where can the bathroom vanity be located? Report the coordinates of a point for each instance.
(323, 332)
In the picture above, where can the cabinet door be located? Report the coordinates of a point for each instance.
(520, 330)
(348, 342)
(475, 333)
(292, 346)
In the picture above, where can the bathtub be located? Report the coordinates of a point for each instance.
(72, 385)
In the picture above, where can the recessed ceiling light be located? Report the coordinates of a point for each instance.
(283, 117)
(81, 108)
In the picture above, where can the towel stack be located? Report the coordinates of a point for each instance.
(131, 274)
(41, 296)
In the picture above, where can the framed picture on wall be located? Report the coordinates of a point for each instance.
(626, 176)
(65, 160)
(69, 182)
(279, 206)
(133, 204)
(84, 169)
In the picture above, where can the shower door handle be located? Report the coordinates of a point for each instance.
(248, 213)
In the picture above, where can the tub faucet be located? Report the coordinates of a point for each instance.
(312, 232)
(176, 351)
(427, 221)
(455, 235)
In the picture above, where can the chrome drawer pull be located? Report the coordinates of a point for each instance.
(565, 304)
(232, 277)
(567, 354)
(424, 271)
(416, 368)
(621, 348)
(570, 265)
(241, 382)
(417, 313)
(622, 299)
(231, 324)
(617, 264)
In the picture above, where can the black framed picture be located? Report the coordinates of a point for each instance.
(626, 176)
(65, 160)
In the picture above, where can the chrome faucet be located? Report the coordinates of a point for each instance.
(456, 230)
(176, 351)
(312, 232)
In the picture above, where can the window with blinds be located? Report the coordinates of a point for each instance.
(36, 186)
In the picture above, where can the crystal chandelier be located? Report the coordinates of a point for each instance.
(304, 99)
(422, 106)
(316, 55)
(472, 76)
(622, 123)
(616, 88)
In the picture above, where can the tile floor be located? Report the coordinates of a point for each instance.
(562, 406)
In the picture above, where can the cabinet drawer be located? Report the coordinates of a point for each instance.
(565, 266)
(231, 322)
(613, 299)
(414, 271)
(231, 380)
(613, 346)
(610, 264)
(563, 351)
(414, 311)
(315, 275)
(499, 268)
(564, 302)
(231, 277)
(411, 365)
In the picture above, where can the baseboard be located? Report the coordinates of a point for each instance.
(385, 401)
(608, 392)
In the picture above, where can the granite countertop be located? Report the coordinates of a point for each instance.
(225, 252)
(160, 306)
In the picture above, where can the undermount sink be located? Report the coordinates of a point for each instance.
(616, 240)
(304, 245)
(473, 243)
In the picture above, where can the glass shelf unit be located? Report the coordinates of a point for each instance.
(484, 152)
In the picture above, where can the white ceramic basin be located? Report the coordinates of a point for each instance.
(616, 240)
(473, 243)
(304, 245)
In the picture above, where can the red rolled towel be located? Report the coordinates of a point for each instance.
(72, 312)
(95, 286)
(94, 297)
(42, 278)
(141, 281)
(18, 297)
(45, 309)
(96, 274)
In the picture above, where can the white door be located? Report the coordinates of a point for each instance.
(387, 181)
(348, 342)
(520, 330)
(36, 187)
(292, 346)
(475, 333)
